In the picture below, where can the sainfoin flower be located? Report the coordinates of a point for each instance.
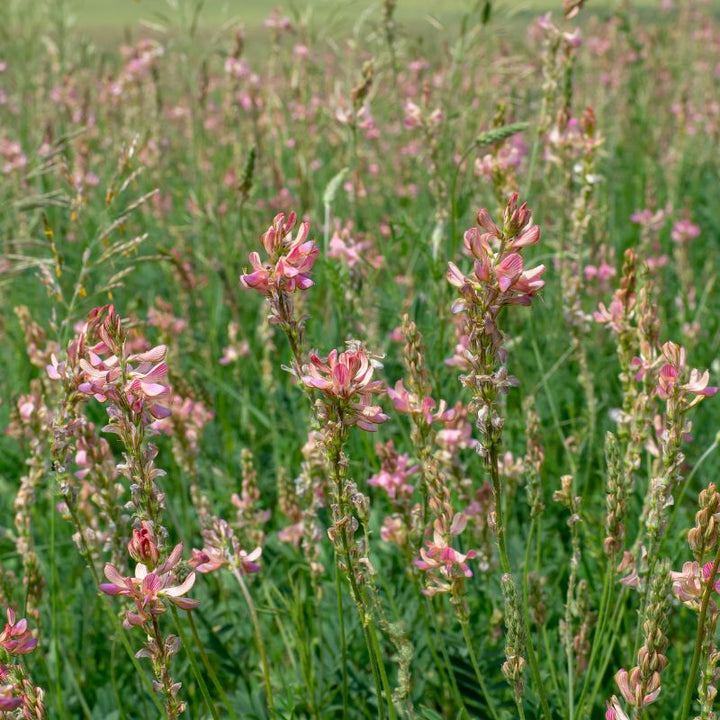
(614, 711)
(440, 557)
(674, 371)
(407, 402)
(499, 268)
(15, 638)
(689, 584)
(290, 259)
(143, 546)
(149, 589)
(222, 549)
(346, 381)
(684, 231)
(630, 684)
(9, 701)
(394, 473)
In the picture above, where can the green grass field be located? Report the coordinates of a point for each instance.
(474, 509)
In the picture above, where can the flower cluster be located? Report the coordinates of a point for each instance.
(446, 566)
(135, 382)
(290, 259)
(345, 381)
(16, 690)
(394, 473)
(222, 549)
(672, 373)
(499, 276)
(148, 588)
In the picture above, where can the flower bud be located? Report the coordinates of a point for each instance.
(143, 546)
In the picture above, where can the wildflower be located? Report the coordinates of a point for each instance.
(440, 556)
(499, 276)
(222, 549)
(148, 589)
(394, 473)
(345, 379)
(143, 545)
(674, 369)
(407, 402)
(683, 231)
(15, 638)
(290, 260)
(630, 687)
(614, 711)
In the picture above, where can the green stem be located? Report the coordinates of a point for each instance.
(681, 495)
(193, 663)
(208, 666)
(689, 686)
(258, 638)
(445, 667)
(600, 631)
(478, 674)
(53, 600)
(619, 616)
(343, 646)
(364, 610)
(505, 563)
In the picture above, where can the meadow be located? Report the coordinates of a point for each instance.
(359, 360)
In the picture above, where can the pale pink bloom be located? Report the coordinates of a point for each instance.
(277, 22)
(689, 584)
(237, 68)
(290, 259)
(630, 684)
(627, 564)
(614, 711)
(611, 316)
(394, 530)
(208, 559)
(347, 378)
(354, 250)
(407, 402)
(684, 231)
(675, 368)
(247, 561)
(144, 387)
(650, 220)
(440, 556)
(15, 638)
(396, 335)
(393, 479)
(413, 115)
(292, 534)
(149, 589)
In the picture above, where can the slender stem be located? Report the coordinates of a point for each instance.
(193, 663)
(689, 686)
(381, 666)
(600, 629)
(505, 562)
(208, 666)
(258, 637)
(445, 667)
(478, 674)
(56, 644)
(681, 495)
(337, 472)
(619, 616)
(343, 646)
